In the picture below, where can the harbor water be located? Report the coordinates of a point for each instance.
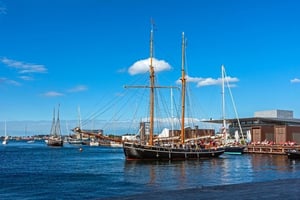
(36, 171)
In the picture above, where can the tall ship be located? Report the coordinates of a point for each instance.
(55, 137)
(179, 150)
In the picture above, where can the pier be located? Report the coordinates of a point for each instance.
(270, 149)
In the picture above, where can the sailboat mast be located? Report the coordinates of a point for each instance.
(183, 85)
(233, 104)
(152, 76)
(172, 110)
(57, 125)
(79, 118)
(223, 104)
(53, 124)
(5, 129)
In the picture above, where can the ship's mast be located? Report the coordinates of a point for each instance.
(152, 85)
(224, 75)
(57, 125)
(224, 129)
(183, 85)
(5, 129)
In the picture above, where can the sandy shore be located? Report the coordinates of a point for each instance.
(279, 189)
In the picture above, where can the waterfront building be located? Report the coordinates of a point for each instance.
(271, 126)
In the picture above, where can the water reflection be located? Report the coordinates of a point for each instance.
(294, 165)
(228, 169)
(236, 169)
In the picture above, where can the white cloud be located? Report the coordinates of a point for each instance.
(78, 88)
(142, 66)
(193, 79)
(52, 94)
(24, 68)
(202, 82)
(2, 9)
(26, 78)
(208, 82)
(295, 80)
(9, 81)
(212, 81)
(190, 79)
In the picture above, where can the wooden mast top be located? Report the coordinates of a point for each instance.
(152, 85)
(183, 85)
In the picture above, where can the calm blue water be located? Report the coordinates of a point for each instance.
(36, 171)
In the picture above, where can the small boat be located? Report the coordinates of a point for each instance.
(30, 141)
(234, 149)
(115, 144)
(149, 150)
(94, 142)
(97, 139)
(5, 140)
(55, 138)
(55, 141)
(293, 154)
(75, 141)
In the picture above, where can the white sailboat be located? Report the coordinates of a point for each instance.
(5, 141)
(235, 147)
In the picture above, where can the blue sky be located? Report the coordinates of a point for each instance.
(79, 53)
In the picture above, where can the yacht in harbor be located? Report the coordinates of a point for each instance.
(55, 137)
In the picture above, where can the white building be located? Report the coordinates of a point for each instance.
(280, 114)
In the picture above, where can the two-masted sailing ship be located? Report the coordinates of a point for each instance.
(178, 151)
(55, 137)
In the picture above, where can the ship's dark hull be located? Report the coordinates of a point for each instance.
(293, 154)
(134, 151)
(55, 143)
(234, 149)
